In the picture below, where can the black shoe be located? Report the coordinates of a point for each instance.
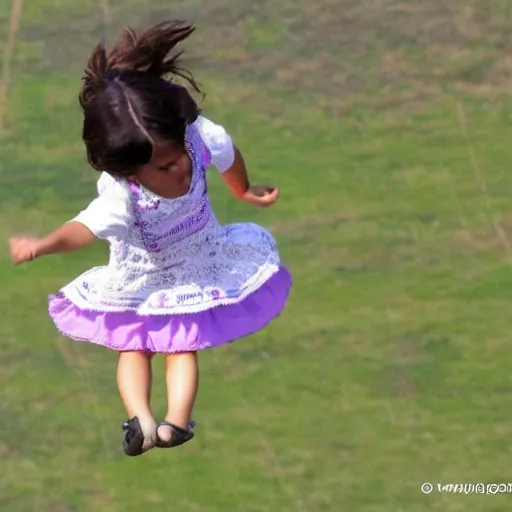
(179, 435)
(133, 438)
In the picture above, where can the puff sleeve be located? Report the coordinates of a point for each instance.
(109, 215)
(219, 143)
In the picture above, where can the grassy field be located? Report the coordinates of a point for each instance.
(387, 125)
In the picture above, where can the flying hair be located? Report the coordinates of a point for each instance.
(153, 52)
(132, 98)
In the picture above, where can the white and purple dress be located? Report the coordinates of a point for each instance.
(176, 280)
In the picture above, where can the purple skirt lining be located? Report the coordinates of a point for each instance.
(128, 331)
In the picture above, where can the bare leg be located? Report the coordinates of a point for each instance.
(182, 379)
(134, 383)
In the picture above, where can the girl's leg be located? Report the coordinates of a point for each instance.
(182, 379)
(134, 382)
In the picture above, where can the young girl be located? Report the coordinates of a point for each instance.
(177, 281)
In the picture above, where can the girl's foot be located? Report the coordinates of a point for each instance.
(170, 435)
(138, 437)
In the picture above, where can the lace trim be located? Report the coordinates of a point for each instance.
(155, 302)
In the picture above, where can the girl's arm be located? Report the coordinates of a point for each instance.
(236, 176)
(107, 216)
(72, 236)
(228, 160)
(238, 183)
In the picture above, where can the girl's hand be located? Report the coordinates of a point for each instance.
(23, 249)
(261, 196)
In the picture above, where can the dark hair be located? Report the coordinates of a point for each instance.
(129, 104)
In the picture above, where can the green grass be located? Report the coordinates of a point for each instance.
(387, 126)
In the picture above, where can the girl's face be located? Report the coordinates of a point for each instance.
(169, 172)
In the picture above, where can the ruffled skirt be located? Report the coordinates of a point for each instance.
(182, 332)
